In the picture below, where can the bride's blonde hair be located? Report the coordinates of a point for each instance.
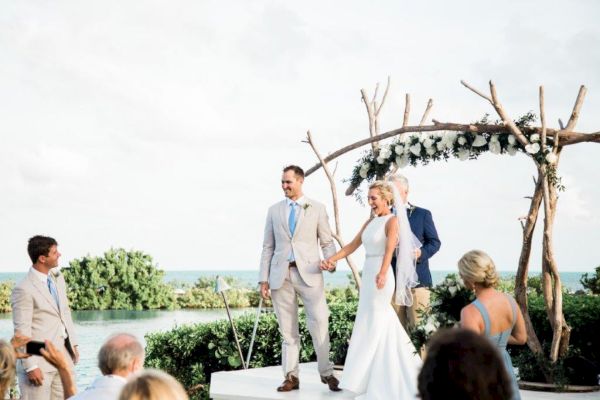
(385, 190)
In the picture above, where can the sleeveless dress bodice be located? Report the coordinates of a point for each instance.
(500, 340)
(381, 363)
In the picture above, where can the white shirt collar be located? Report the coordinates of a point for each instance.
(39, 275)
(300, 201)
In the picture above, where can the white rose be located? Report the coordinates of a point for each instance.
(463, 154)
(532, 148)
(380, 160)
(462, 140)
(416, 149)
(441, 145)
(512, 150)
(399, 149)
(404, 138)
(534, 138)
(431, 150)
(363, 174)
(402, 161)
(495, 147)
(511, 139)
(385, 153)
(494, 139)
(452, 290)
(428, 143)
(551, 158)
(450, 137)
(366, 166)
(479, 141)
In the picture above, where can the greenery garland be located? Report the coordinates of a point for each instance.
(415, 148)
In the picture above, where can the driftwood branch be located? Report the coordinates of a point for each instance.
(426, 113)
(477, 92)
(576, 109)
(406, 110)
(337, 235)
(523, 268)
(542, 118)
(387, 89)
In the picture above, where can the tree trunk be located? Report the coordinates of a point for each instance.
(523, 269)
(552, 286)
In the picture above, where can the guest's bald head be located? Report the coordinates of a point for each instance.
(121, 354)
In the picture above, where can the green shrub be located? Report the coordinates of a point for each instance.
(592, 282)
(192, 353)
(120, 280)
(5, 293)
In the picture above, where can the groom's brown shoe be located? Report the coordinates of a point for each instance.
(290, 383)
(332, 382)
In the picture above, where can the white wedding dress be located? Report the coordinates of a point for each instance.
(382, 363)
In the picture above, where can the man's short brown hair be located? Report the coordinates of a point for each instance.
(297, 170)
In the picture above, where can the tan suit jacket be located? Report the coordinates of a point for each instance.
(312, 232)
(35, 314)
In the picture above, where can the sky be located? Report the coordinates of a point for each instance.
(163, 126)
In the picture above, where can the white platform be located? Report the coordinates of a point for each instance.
(261, 383)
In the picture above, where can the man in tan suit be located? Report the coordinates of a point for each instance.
(289, 267)
(41, 311)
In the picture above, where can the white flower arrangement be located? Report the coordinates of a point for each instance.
(551, 158)
(411, 149)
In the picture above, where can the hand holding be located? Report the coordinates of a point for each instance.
(380, 280)
(19, 341)
(417, 253)
(76, 351)
(264, 290)
(36, 377)
(55, 356)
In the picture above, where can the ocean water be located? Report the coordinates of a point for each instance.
(570, 280)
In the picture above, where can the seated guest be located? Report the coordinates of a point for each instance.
(461, 364)
(7, 367)
(153, 384)
(493, 314)
(119, 357)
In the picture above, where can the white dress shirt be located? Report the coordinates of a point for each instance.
(105, 387)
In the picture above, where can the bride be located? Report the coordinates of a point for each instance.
(382, 363)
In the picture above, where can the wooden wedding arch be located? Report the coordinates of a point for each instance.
(442, 140)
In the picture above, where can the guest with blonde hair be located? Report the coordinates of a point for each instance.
(7, 367)
(493, 314)
(153, 384)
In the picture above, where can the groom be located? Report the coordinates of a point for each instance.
(290, 267)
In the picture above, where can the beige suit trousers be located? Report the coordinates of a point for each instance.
(410, 316)
(285, 304)
(51, 388)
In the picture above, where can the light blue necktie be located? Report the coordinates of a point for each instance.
(53, 291)
(292, 218)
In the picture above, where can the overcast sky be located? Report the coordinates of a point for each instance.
(163, 126)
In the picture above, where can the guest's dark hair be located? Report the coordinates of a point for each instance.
(39, 246)
(297, 170)
(460, 364)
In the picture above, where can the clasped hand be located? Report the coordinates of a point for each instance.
(327, 265)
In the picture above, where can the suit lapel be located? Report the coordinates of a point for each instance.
(43, 289)
(283, 216)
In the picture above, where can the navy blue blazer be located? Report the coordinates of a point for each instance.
(421, 224)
